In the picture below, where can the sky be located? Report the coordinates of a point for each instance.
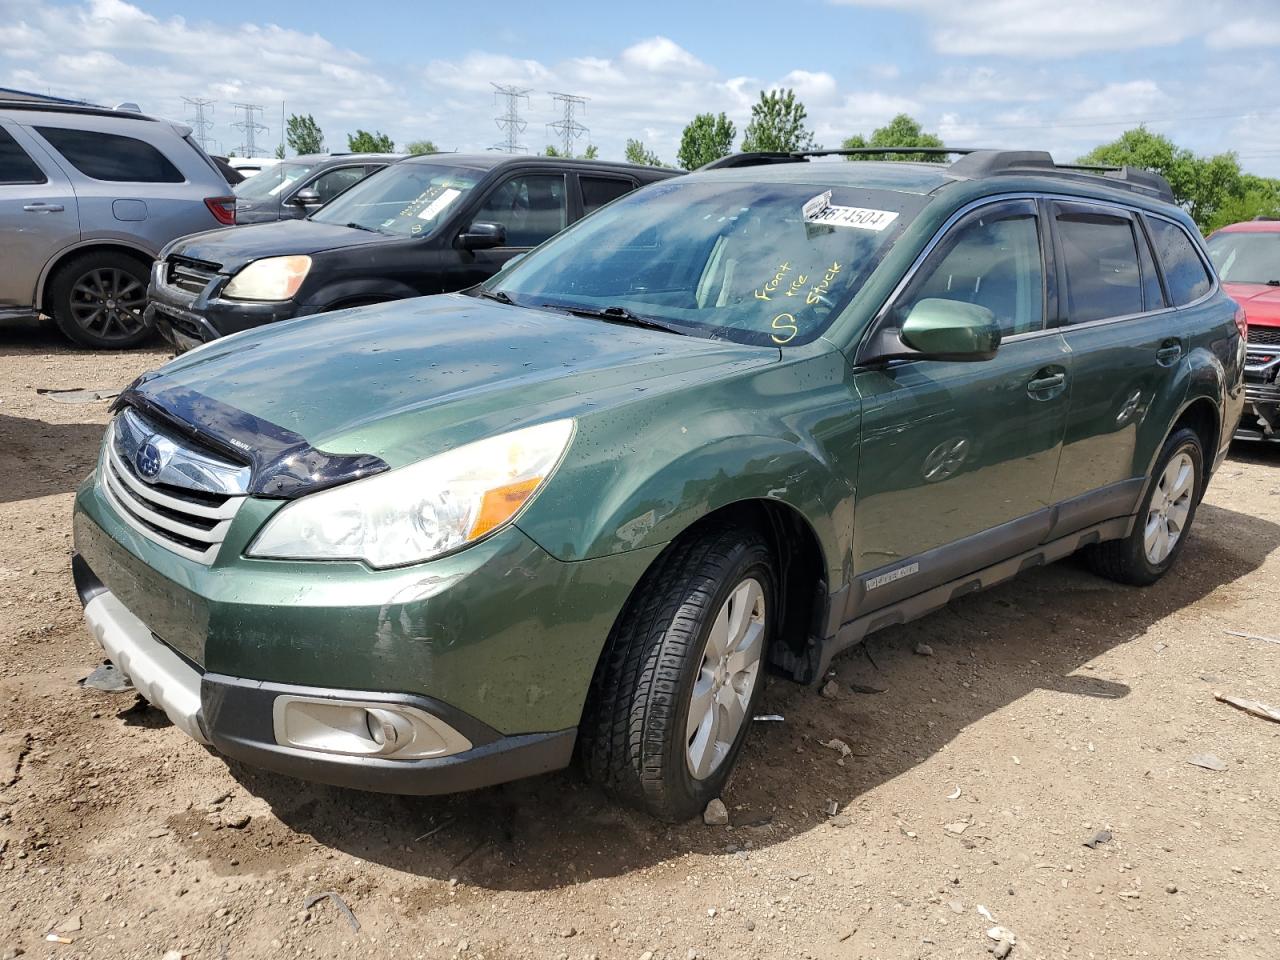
(1060, 75)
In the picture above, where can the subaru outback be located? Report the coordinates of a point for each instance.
(729, 424)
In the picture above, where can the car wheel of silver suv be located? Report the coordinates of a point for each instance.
(98, 298)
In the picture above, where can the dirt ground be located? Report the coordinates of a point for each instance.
(1049, 709)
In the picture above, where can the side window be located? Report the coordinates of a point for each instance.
(1101, 261)
(597, 191)
(107, 156)
(531, 207)
(333, 182)
(15, 165)
(1152, 294)
(991, 259)
(1184, 271)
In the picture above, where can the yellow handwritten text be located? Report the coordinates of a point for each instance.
(773, 284)
(785, 323)
(819, 289)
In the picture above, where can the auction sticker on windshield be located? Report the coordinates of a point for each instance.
(821, 210)
(434, 209)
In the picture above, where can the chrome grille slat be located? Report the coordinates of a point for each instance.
(1264, 336)
(190, 276)
(194, 530)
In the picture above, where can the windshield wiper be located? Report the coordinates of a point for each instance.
(616, 315)
(360, 226)
(498, 295)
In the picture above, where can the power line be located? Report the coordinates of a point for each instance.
(510, 121)
(250, 127)
(567, 127)
(200, 123)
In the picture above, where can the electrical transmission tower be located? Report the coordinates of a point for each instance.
(510, 121)
(567, 127)
(250, 127)
(201, 122)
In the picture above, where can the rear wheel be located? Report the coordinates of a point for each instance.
(97, 300)
(1164, 518)
(674, 693)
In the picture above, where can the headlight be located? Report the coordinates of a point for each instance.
(275, 278)
(420, 511)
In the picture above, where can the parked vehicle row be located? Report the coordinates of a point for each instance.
(426, 225)
(732, 422)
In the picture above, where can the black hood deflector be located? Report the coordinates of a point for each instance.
(283, 464)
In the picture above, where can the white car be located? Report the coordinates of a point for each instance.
(248, 166)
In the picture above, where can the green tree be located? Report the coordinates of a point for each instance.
(416, 148)
(593, 152)
(365, 142)
(901, 131)
(551, 151)
(637, 152)
(303, 134)
(1201, 185)
(1260, 198)
(707, 137)
(279, 151)
(778, 125)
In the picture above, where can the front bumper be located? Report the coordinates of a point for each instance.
(240, 717)
(1261, 420)
(187, 319)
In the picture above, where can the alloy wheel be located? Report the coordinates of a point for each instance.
(726, 679)
(1170, 506)
(108, 303)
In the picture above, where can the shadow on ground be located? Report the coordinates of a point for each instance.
(1038, 632)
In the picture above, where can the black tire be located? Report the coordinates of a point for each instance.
(97, 300)
(633, 736)
(1126, 560)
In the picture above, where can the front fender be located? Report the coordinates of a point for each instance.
(371, 288)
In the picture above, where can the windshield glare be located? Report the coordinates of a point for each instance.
(405, 199)
(765, 263)
(272, 181)
(1242, 257)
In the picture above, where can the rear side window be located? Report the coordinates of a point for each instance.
(597, 191)
(1101, 260)
(1184, 271)
(15, 165)
(109, 156)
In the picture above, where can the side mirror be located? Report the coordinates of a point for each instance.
(938, 329)
(483, 236)
(310, 197)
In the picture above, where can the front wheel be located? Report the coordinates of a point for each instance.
(1164, 518)
(674, 693)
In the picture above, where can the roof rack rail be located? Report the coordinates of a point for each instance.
(973, 163)
(85, 109)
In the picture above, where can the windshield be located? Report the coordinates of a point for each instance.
(765, 263)
(405, 199)
(272, 181)
(1242, 257)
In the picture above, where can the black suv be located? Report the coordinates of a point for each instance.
(426, 225)
(293, 188)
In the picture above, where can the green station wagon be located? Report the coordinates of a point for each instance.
(730, 423)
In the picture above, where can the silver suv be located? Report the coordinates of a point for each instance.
(88, 196)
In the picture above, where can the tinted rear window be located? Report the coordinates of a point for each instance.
(597, 191)
(1184, 272)
(109, 156)
(1103, 279)
(15, 165)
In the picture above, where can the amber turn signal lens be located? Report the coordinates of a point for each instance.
(498, 505)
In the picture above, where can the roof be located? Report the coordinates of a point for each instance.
(53, 109)
(314, 158)
(921, 178)
(1252, 226)
(8, 93)
(493, 159)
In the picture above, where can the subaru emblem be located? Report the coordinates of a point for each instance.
(147, 459)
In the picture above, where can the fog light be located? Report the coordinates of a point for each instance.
(363, 729)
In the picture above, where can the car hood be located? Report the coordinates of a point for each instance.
(401, 381)
(233, 247)
(1261, 302)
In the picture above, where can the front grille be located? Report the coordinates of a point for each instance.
(189, 521)
(1264, 336)
(191, 276)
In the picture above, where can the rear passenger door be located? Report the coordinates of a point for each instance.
(38, 216)
(1126, 345)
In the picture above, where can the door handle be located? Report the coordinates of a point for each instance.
(1168, 354)
(1043, 384)
(43, 207)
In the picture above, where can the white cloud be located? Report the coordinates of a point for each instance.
(1053, 28)
(1247, 32)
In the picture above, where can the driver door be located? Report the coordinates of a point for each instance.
(958, 459)
(531, 207)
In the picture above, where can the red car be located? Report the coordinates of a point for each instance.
(1247, 257)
